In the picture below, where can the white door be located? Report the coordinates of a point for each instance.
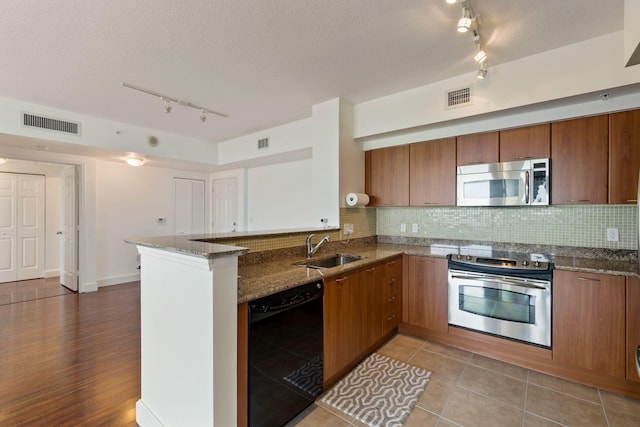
(224, 205)
(68, 252)
(8, 227)
(22, 226)
(31, 226)
(189, 206)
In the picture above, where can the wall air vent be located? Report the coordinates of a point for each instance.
(458, 97)
(41, 122)
(263, 143)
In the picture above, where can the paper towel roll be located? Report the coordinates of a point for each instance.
(357, 199)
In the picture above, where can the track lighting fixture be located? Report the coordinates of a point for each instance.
(482, 72)
(169, 101)
(2, 160)
(480, 55)
(167, 105)
(464, 23)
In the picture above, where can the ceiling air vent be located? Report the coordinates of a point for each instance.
(41, 122)
(458, 97)
(263, 143)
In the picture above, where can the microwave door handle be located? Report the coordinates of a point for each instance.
(526, 187)
(501, 282)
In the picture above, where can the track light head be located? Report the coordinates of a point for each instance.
(452, 1)
(482, 72)
(480, 55)
(167, 106)
(203, 116)
(464, 23)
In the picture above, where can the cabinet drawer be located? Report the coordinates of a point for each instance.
(390, 321)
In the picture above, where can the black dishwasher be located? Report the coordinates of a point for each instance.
(285, 354)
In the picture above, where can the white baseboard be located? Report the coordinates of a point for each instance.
(52, 273)
(144, 416)
(109, 281)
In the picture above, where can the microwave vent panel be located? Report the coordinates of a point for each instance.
(49, 123)
(459, 97)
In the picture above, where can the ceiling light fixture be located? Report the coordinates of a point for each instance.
(464, 23)
(452, 1)
(2, 161)
(135, 161)
(480, 55)
(203, 116)
(168, 100)
(482, 72)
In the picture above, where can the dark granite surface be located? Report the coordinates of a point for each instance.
(265, 273)
(185, 244)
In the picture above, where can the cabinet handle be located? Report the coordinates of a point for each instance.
(392, 299)
(425, 261)
(588, 279)
(429, 203)
(391, 282)
(390, 318)
(579, 200)
(391, 263)
(342, 279)
(370, 270)
(523, 158)
(634, 201)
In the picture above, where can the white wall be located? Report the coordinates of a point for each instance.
(280, 196)
(129, 201)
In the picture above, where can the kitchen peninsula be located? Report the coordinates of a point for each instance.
(188, 298)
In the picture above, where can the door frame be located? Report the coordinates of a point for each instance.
(86, 203)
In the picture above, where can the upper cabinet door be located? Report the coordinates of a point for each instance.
(529, 142)
(389, 176)
(624, 156)
(432, 173)
(579, 151)
(478, 148)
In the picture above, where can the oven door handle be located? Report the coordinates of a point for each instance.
(501, 282)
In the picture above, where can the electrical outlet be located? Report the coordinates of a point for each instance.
(612, 235)
(403, 228)
(414, 228)
(348, 229)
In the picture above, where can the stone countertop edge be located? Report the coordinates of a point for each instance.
(183, 245)
(267, 278)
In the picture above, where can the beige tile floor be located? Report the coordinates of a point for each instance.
(471, 390)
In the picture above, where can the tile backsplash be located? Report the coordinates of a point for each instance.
(575, 225)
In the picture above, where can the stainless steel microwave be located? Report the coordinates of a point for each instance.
(519, 183)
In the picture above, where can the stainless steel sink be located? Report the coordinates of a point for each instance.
(334, 261)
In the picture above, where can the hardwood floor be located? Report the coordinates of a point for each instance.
(27, 290)
(71, 359)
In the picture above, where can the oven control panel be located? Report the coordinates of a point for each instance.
(500, 263)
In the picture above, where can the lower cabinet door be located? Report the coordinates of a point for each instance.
(589, 321)
(426, 294)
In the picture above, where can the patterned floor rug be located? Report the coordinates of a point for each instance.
(380, 392)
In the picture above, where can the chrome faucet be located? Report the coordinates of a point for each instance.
(313, 249)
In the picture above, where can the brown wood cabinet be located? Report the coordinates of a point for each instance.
(391, 295)
(624, 156)
(340, 322)
(389, 176)
(589, 321)
(529, 142)
(432, 173)
(633, 326)
(478, 148)
(579, 166)
(425, 293)
(356, 309)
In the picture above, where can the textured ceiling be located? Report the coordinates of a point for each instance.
(263, 63)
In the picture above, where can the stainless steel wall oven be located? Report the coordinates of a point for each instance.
(505, 297)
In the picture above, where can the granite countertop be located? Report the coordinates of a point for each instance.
(185, 244)
(265, 277)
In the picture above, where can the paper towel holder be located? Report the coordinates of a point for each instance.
(357, 199)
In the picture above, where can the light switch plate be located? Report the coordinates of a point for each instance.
(612, 234)
(403, 228)
(348, 229)
(414, 228)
